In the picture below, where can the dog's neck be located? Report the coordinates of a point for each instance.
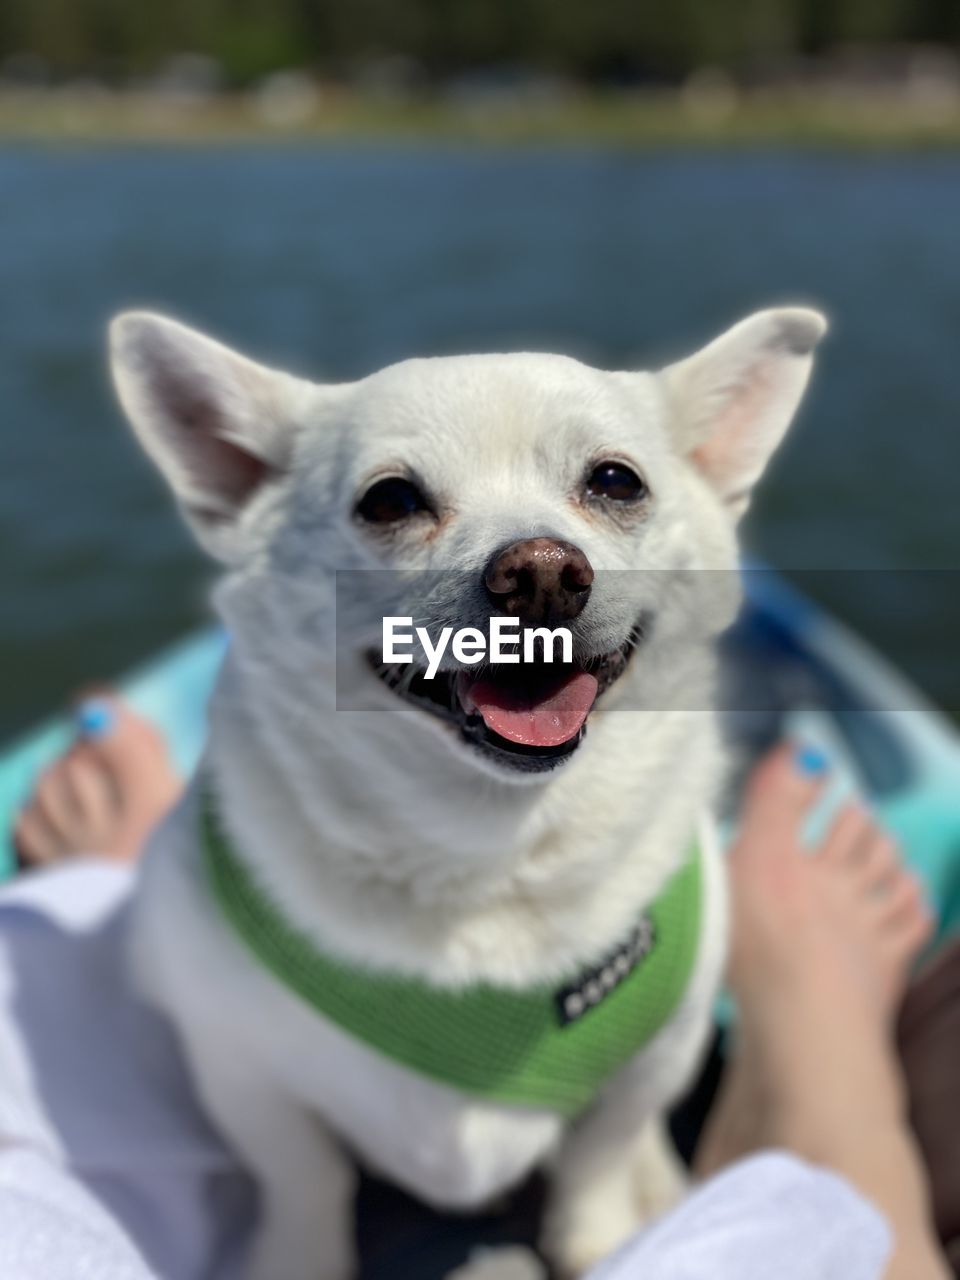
(424, 866)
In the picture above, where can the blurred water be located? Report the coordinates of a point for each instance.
(335, 262)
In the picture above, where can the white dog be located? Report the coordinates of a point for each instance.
(500, 829)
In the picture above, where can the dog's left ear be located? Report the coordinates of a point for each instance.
(731, 403)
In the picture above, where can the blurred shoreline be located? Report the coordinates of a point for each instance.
(707, 109)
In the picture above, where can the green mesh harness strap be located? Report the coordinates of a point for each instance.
(545, 1046)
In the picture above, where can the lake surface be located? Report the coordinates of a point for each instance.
(336, 261)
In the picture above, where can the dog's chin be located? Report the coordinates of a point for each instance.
(520, 720)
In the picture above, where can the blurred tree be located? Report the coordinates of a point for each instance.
(935, 20)
(869, 21)
(605, 38)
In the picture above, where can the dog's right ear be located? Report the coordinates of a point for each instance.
(219, 427)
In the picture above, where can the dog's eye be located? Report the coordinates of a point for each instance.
(615, 481)
(391, 500)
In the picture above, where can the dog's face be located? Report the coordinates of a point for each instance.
(526, 486)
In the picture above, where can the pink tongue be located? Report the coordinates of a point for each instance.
(554, 718)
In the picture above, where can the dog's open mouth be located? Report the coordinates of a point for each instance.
(527, 716)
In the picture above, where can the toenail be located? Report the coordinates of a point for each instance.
(810, 761)
(95, 718)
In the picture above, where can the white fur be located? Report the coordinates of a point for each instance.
(381, 833)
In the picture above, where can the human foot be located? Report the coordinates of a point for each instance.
(848, 915)
(105, 793)
(822, 945)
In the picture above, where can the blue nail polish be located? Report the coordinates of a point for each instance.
(810, 761)
(95, 718)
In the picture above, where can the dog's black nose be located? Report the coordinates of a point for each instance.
(539, 580)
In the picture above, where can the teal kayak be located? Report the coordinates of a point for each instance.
(792, 670)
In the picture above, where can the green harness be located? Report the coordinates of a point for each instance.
(543, 1047)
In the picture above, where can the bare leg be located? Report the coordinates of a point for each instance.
(105, 793)
(821, 950)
